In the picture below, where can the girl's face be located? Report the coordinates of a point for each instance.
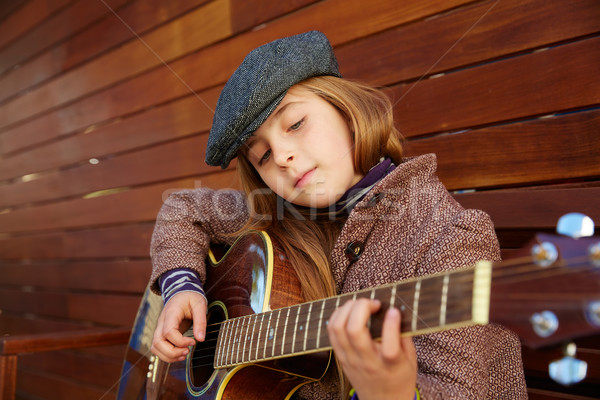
(304, 151)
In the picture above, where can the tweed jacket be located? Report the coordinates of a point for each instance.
(407, 226)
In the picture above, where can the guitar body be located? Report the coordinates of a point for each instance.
(252, 277)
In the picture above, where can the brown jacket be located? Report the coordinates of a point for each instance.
(407, 226)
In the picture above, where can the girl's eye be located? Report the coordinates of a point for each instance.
(297, 125)
(265, 157)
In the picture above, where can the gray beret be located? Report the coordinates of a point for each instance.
(259, 84)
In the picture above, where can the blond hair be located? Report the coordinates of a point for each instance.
(307, 238)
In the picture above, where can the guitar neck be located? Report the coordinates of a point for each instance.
(433, 303)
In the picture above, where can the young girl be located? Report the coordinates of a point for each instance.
(322, 170)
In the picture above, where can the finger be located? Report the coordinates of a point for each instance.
(336, 326)
(390, 335)
(199, 319)
(357, 325)
(167, 352)
(162, 348)
(171, 330)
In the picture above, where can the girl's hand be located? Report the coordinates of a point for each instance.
(180, 311)
(385, 369)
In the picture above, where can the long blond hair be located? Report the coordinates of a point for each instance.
(308, 240)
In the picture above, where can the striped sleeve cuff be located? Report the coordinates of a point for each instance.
(179, 280)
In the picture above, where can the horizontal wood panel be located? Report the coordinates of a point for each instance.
(180, 118)
(533, 84)
(533, 209)
(17, 325)
(135, 205)
(463, 37)
(205, 25)
(59, 26)
(54, 387)
(159, 163)
(97, 371)
(109, 309)
(560, 148)
(125, 276)
(101, 243)
(93, 40)
(247, 14)
(213, 66)
(26, 17)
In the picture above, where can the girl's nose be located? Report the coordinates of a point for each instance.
(284, 158)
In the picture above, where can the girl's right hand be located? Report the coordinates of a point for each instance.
(181, 310)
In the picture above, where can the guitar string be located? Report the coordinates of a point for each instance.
(435, 294)
(425, 295)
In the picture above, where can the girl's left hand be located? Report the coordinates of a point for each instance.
(385, 369)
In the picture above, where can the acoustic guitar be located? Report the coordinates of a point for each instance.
(264, 342)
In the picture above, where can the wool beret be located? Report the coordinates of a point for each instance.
(259, 84)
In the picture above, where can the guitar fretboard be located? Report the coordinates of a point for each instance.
(438, 302)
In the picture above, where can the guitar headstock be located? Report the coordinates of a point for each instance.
(549, 293)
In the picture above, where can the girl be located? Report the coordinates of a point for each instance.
(322, 170)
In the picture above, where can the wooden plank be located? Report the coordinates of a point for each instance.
(180, 118)
(56, 27)
(128, 206)
(463, 37)
(19, 325)
(169, 161)
(85, 370)
(109, 242)
(561, 148)
(110, 309)
(530, 85)
(124, 276)
(30, 14)
(200, 28)
(51, 341)
(248, 14)
(341, 20)
(533, 209)
(93, 40)
(34, 384)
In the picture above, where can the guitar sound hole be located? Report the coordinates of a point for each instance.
(203, 354)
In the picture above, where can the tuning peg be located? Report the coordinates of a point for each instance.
(575, 225)
(568, 370)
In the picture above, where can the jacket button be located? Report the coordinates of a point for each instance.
(354, 250)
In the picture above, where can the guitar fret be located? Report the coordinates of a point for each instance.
(251, 339)
(230, 345)
(393, 296)
(248, 318)
(287, 316)
(240, 339)
(320, 322)
(267, 335)
(225, 347)
(306, 327)
(258, 338)
(443, 306)
(415, 308)
(295, 328)
(275, 333)
(237, 340)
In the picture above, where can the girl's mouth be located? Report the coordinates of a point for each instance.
(304, 179)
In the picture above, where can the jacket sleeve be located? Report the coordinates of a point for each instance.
(188, 222)
(474, 362)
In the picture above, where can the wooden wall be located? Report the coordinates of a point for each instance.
(105, 107)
